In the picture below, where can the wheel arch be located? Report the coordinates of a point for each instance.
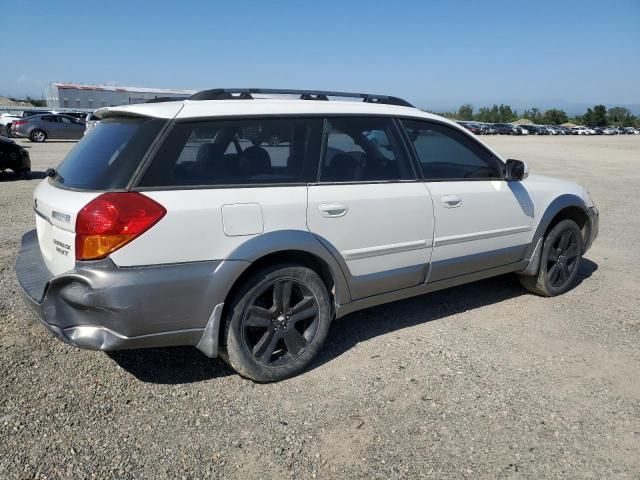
(564, 207)
(284, 246)
(294, 246)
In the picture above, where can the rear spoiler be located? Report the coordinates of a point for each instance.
(166, 110)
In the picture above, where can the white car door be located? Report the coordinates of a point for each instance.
(369, 207)
(482, 221)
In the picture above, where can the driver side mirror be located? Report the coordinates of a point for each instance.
(516, 170)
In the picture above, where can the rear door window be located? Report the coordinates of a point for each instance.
(107, 159)
(360, 149)
(237, 152)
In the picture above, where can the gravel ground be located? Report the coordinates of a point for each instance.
(479, 381)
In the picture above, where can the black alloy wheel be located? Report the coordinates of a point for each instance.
(280, 323)
(559, 261)
(562, 259)
(276, 323)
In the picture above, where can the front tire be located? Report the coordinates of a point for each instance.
(559, 261)
(277, 323)
(38, 136)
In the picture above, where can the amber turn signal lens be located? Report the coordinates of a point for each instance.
(112, 220)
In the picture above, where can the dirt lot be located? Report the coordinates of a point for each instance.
(480, 381)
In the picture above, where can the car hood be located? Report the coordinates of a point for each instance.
(5, 140)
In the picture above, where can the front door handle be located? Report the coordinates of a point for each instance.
(451, 201)
(332, 209)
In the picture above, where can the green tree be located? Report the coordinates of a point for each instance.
(35, 102)
(534, 115)
(465, 112)
(554, 116)
(484, 115)
(505, 114)
(596, 117)
(621, 116)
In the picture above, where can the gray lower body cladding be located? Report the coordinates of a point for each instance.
(100, 306)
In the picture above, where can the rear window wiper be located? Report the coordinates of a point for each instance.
(53, 174)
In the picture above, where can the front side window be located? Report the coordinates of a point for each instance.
(362, 149)
(446, 154)
(236, 152)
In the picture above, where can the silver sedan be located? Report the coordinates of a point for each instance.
(39, 128)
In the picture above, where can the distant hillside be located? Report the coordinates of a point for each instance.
(7, 102)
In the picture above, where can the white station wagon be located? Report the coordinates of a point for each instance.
(188, 223)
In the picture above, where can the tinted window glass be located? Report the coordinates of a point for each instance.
(445, 153)
(65, 120)
(107, 158)
(236, 152)
(363, 149)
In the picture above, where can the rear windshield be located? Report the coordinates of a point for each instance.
(107, 157)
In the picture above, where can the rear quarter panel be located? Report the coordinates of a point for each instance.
(194, 227)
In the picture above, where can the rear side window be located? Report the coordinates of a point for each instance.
(237, 152)
(447, 154)
(363, 150)
(106, 158)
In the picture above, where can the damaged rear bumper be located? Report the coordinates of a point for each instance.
(102, 307)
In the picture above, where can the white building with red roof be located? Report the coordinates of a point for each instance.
(60, 95)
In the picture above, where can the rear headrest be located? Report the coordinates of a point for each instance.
(209, 162)
(255, 161)
(209, 152)
(342, 169)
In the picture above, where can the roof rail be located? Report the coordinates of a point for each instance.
(164, 99)
(247, 94)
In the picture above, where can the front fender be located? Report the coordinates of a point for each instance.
(555, 206)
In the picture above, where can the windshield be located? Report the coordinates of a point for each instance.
(107, 158)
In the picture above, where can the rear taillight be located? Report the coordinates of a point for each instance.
(112, 220)
(19, 122)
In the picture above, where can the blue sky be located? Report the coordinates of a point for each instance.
(437, 54)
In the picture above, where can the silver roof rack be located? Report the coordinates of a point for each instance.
(247, 94)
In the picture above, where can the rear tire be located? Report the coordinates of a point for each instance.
(38, 136)
(559, 261)
(277, 323)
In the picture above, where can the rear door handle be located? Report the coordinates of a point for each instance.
(332, 209)
(451, 201)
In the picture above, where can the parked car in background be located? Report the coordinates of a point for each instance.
(147, 239)
(531, 129)
(39, 128)
(78, 115)
(505, 129)
(14, 157)
(91, 122)
(472, 127)
(31, 113)
(6, 119)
